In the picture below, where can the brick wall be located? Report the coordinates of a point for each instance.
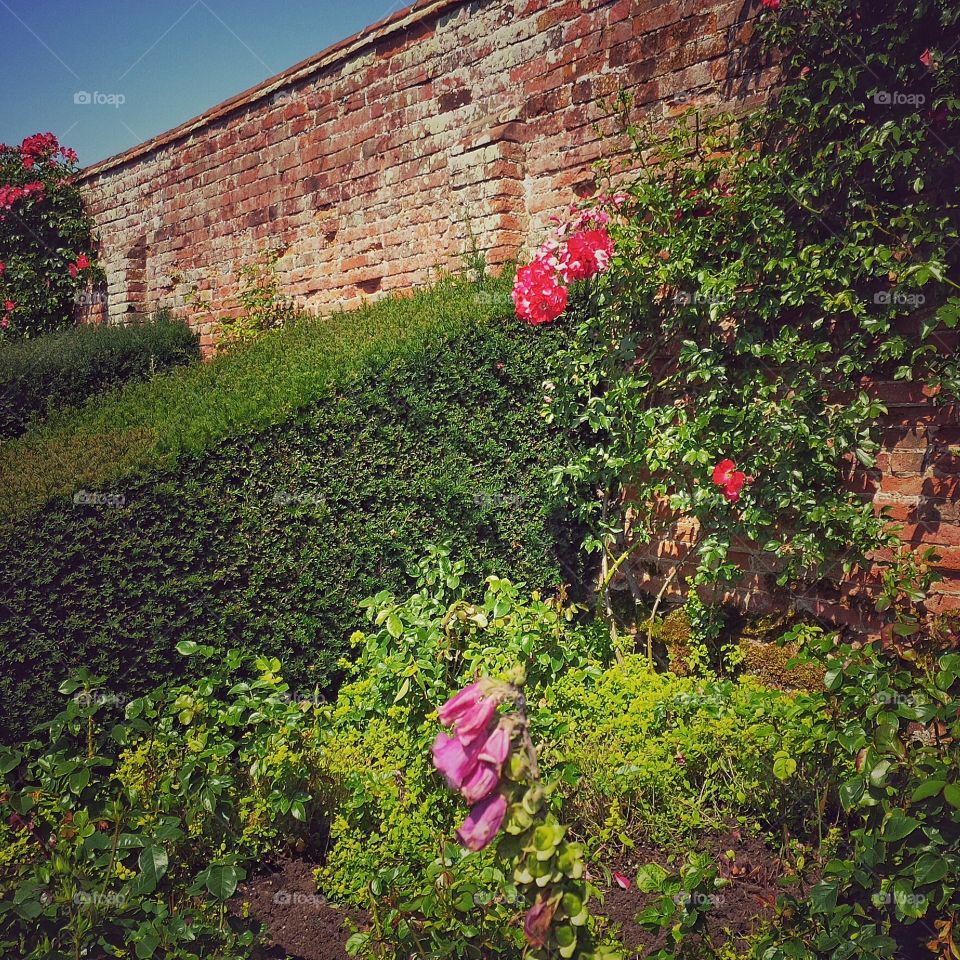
(372, 164)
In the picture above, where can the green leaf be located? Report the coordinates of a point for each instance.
(222, 880)
(930, 868)
(394, 626)
(153, 865)
(851, 792)
(927, 789)
(823, 896)
(650, 877)
(951, 793)
(784, 767)
(899, 826)
(187, 648)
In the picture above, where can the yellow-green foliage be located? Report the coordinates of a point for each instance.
(661, 756)
(649, 756)
(393, 807)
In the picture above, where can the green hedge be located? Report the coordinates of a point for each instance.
(64, 369)
(268, 541)
(150, 426)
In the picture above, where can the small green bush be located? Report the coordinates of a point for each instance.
(269, 541)
(64, 369)
(131, 836)
(655, 756)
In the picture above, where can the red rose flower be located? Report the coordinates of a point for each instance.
(588, 253)
(537, 296)
(730, 479)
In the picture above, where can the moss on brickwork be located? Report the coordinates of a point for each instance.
(766, 659)
(675, 636)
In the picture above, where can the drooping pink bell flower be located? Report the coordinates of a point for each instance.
(482, 780)
(469, 712)
(483, 822)
(460, 703)
(536, 925)
(497, 747)
(453, 760)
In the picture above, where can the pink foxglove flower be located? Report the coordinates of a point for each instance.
(483, 822)
(453, 760)
(536, 924)
(497, 748)
(480, 783)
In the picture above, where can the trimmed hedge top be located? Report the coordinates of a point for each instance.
(66, 368)
(191, 410)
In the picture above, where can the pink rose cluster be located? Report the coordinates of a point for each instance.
(472, 759)
(577, 250)
(44, 146)
(9, 194)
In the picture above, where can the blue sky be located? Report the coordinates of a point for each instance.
(148, 65)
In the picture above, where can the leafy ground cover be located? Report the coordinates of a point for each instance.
(138, 833)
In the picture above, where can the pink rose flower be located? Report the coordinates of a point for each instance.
(588, 253)
(537, 296)
(727, 476)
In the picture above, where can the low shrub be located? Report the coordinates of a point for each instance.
(655, 757)
(269, 541)
(611, 737)
(64, 369)
(131, 836)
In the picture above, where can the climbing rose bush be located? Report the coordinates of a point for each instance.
(46, 237)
